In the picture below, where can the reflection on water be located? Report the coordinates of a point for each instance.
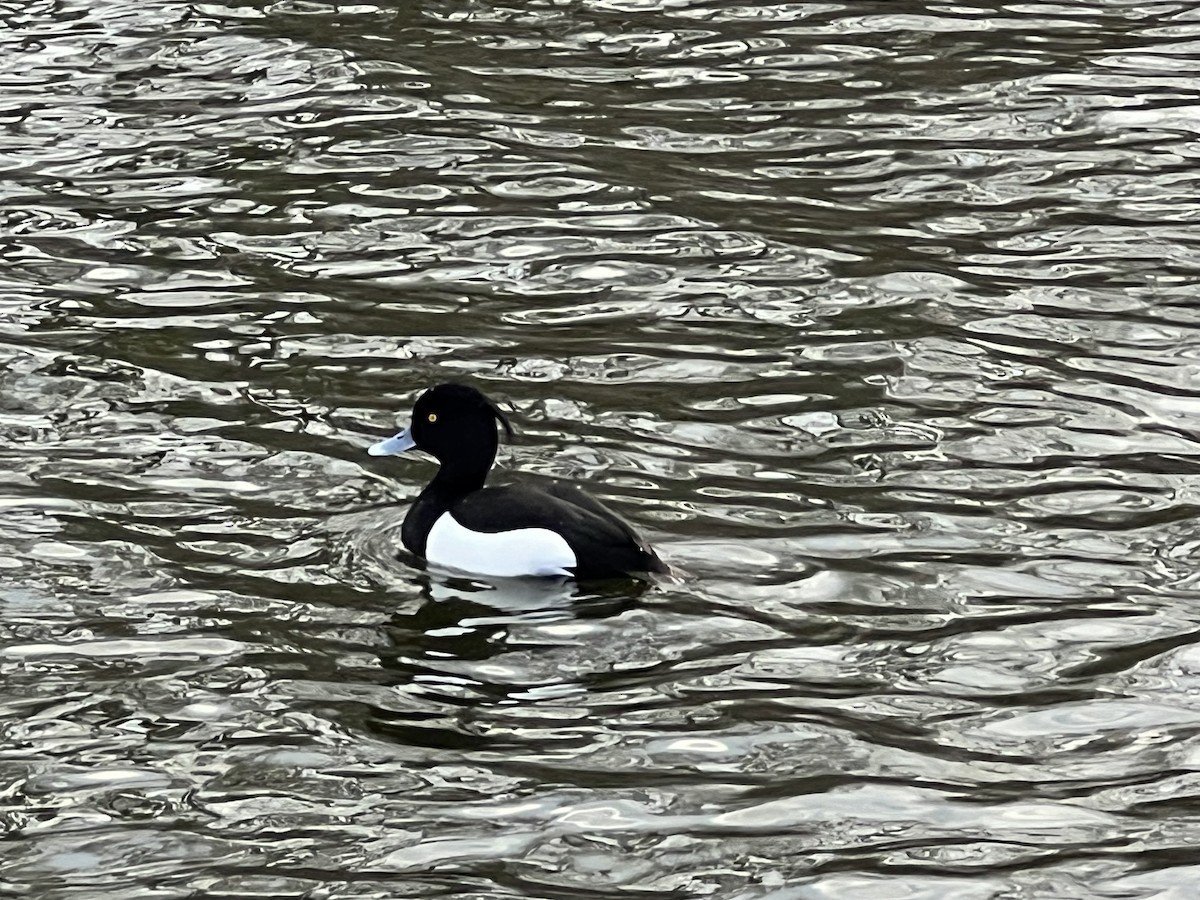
(878, 319)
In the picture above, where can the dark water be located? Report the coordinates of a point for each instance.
(879, 317)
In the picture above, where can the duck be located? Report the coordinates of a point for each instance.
(511, 530)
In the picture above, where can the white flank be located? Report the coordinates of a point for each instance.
(506, 554)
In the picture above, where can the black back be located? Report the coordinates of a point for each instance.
(603, 543)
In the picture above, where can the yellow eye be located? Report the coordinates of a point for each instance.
(432, 417)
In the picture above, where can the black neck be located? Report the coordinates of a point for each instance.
(456, 480)
(451, 484)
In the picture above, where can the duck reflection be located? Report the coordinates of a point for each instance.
(474, 653)
(466, 618)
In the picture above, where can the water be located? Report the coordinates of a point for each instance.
(878, 318)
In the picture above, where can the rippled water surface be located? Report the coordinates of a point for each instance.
(879, 318)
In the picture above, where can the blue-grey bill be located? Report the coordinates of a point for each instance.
(393, 445)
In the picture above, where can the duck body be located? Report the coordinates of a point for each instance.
(508, 530)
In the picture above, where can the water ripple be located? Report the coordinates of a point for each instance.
(878, 322)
